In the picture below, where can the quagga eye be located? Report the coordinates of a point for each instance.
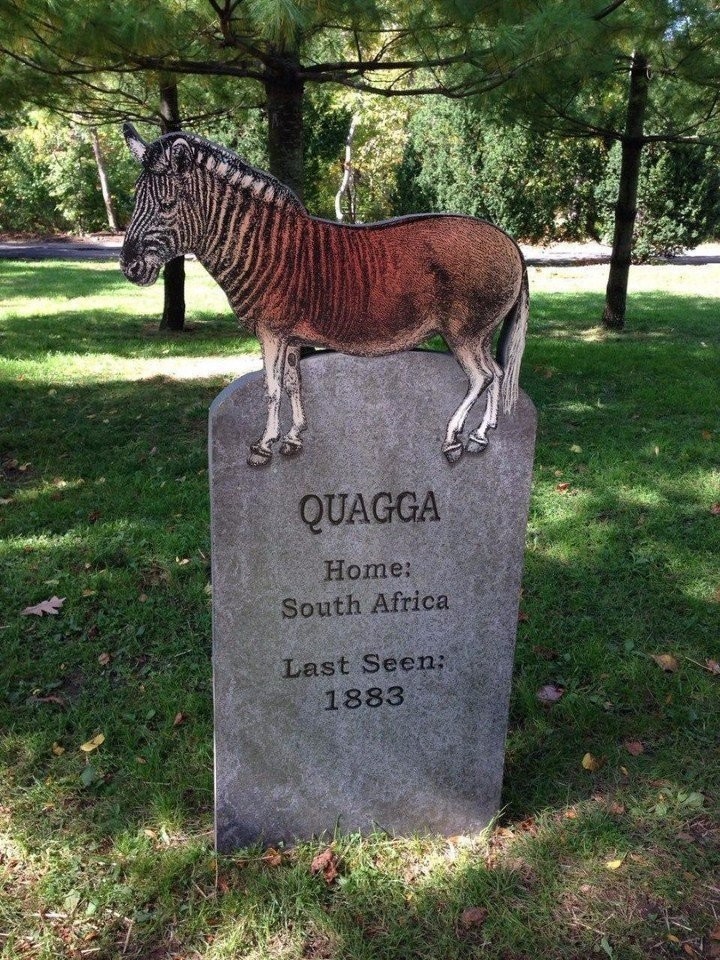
(167, 205)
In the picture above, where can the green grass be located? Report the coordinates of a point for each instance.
(104, 503)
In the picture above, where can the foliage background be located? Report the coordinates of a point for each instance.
(428, 154)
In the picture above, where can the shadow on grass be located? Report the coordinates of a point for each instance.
(120, 335)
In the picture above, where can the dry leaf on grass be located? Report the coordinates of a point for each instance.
(93, 744)
(634, 747)
(179, 718)
(473, 917)
(592, 763)
(550, 693)
(325, 863)
(273, 858)
(51, 607)
(615, 864)
(715, 509)
(104, 659)
(563, 487)
(666, 661)
(712, 666)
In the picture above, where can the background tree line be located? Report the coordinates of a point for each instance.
(560, 118)
(431, 155)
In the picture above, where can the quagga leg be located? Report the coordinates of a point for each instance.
(292, 442)
(477, 441)
(274, 349)
(479, 377)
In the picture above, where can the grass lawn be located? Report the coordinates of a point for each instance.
(609, 841)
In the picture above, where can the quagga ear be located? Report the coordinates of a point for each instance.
(135, 142)
(181, 158)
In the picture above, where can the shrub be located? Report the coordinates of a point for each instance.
(678, 198)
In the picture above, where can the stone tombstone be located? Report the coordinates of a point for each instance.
(365, 601)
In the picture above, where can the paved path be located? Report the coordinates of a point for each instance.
(107, 247)
(61, 248)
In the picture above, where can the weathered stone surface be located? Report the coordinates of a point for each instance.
(362, 669)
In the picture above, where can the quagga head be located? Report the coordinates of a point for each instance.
(163, 224)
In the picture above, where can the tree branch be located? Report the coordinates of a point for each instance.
(606, 11)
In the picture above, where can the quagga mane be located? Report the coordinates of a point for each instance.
(294, 279)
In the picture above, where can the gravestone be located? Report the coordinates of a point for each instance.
(365, 601)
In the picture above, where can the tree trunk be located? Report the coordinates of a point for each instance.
(348, 184)
(626, 206)
(173, 317)
(284, 91)
(102, 176)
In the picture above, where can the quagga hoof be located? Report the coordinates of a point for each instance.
(453, 452)
(290, 448)
(259, 457)
(476, 444)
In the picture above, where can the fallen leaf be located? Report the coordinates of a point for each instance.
(592, 763)
(666, 661)
(325, 863)
(104, 659)
(179, 718)
(715, 509)
(5, 501)
(575, 448)
(563, 487)
(473, 917)
(57, 750)
(550, 693)
(89, 593)
(672, 938)
(713, 666)
(273, 858)
(615, 864)
(93, 744)
(51, 607)
(571, 813)
(715, 932)
(182, 561)
(634, 747)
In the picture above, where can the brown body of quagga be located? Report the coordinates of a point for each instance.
(295, 279)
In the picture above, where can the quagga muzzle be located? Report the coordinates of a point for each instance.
(294, 279)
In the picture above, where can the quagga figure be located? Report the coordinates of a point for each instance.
(293, 279)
